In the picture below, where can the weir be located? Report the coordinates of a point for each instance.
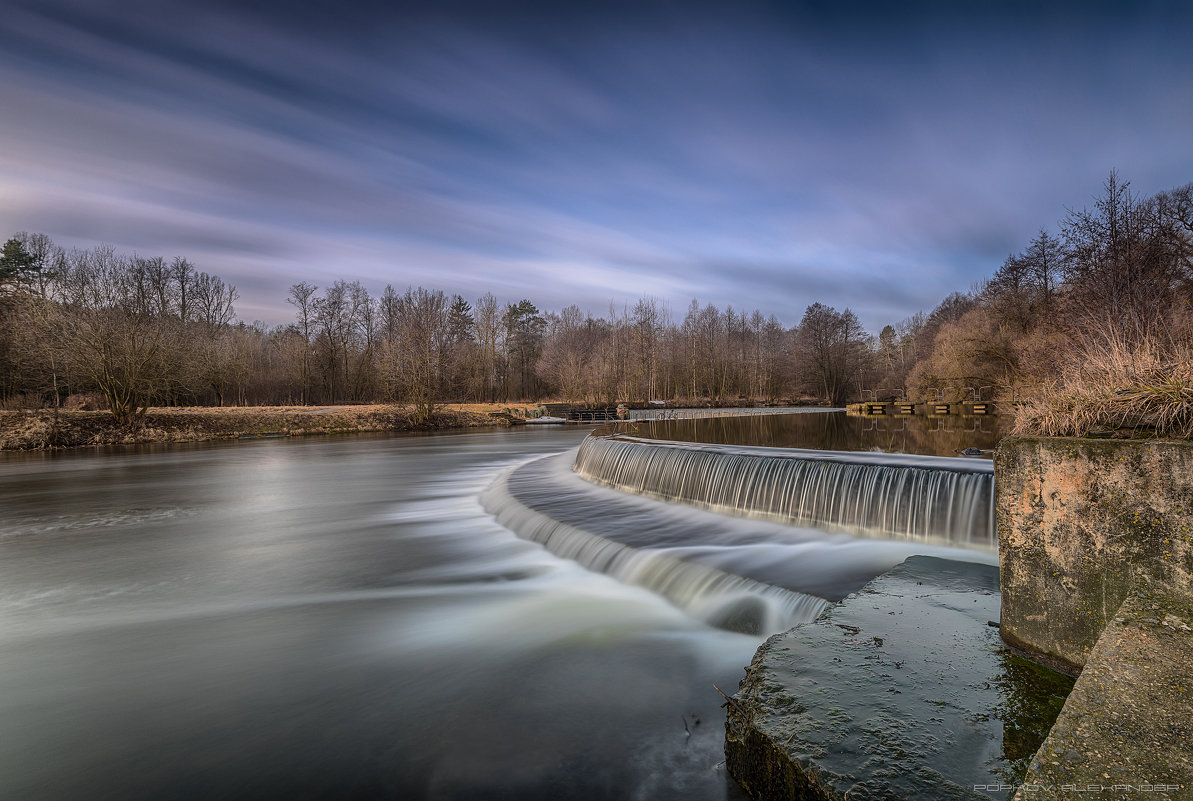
(528, 500)
(941, 500)
(734, 572)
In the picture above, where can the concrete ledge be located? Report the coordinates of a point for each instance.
(1126, 730)
(1081, 523)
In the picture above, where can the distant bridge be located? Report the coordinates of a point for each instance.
(906, 408)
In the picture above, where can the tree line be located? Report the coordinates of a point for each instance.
(1116, 278)
(142, 331)
(150, 331)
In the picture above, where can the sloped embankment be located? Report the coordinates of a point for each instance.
(44, 429)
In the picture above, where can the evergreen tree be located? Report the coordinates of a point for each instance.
(459, 321)
(15, 263)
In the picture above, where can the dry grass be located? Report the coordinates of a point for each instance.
(485, 408)
(1119, 383)
(43, 429)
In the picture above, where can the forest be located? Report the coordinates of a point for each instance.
(1098, 310)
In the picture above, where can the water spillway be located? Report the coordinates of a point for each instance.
(927, 499)
(748, 575)
(540, 503)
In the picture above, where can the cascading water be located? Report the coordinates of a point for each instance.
(721, 599)
(742, 574)
(927, 499)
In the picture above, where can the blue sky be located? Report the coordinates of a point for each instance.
(765, 155)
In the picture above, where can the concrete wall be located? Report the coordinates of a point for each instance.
(1080, 523)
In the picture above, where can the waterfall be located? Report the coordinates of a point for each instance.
(921, 498)
(718, 598)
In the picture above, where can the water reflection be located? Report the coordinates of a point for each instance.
(836, 431)
(1031, 700)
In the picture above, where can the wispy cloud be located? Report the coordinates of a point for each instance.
(570, 154)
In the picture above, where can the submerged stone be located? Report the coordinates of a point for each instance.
(900, 691)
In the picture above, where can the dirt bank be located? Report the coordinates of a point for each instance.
(43, 429)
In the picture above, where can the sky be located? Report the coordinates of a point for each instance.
(760, 154)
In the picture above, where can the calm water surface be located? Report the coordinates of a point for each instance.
(332, 618)
(837, 431)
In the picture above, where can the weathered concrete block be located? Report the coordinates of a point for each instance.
(1126, 728)
(1082, 522)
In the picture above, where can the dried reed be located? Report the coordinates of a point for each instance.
(1118, 379)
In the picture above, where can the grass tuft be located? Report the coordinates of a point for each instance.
(1117, 381)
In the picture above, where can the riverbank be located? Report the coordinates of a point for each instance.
(44, 430)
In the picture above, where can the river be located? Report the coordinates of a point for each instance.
(335, 617)
(332, 618)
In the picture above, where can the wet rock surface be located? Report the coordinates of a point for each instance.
(1127, 729)
(902, 690)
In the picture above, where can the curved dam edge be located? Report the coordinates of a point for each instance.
(663, 546)
(886, 496)
(955, 464)
(900, 691)
(521, 500)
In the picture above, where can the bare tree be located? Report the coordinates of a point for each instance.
(567, 351)
(302, 298)
(489, 335)
(107, 336)
(183, 274)
(831, 351)
(413, 360)
(1127, 257)
(646, 328)
(214, 301)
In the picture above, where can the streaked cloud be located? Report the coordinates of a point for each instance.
(754, 154)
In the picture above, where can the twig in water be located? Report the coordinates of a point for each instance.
(728, 700)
